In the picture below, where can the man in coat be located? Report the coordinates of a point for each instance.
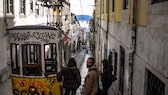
(91, 79)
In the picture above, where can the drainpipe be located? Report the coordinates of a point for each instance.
(108, 15)
(133, 47)
(99, 33)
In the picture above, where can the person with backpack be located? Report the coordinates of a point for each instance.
(106, 76)
(91, 80)
(70, 76)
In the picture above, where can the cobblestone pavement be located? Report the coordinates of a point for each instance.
(5, 88)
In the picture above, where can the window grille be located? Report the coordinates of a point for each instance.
(112, 58)
(9, 6)
(107, 6)
(102, 6)
(115, 63)
(37, 9)
(105, 50)
(31, 59)
(22, 7)
(31, 6)
(155, 85)
(125, 4)
(113, 5)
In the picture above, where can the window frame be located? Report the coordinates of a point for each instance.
(125, 4)
(15, 59)
(31, 60)
(113, 5)
(102, 6)
(22, 7)
(31, 6)
(154, 82)
(113, 60)
(51, 61)
(37, 9)
(107, 6)
(10, 6)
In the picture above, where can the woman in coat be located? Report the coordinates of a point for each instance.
(71, 77)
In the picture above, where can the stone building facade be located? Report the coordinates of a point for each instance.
(132, 35)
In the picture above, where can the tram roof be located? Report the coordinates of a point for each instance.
(33, 27)
(36, 27)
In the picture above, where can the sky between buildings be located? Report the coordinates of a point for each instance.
(82, 7)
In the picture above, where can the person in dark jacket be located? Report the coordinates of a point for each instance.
(107, 76)
(71, 77)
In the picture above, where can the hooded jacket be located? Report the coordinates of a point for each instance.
(70, 76)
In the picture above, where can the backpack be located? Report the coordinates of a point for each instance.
(107, 80)
(100, 86)
(104, 84)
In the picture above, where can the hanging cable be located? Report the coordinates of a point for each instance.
(81, 8)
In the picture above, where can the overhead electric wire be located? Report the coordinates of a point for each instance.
(81, 7)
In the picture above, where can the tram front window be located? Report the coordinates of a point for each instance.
(31, 55)
(50, 58)
(15, 60)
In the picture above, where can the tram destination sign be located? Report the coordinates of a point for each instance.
(32, 36)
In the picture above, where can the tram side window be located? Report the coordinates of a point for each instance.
(50, 58)
(31, 60)
(15, 60)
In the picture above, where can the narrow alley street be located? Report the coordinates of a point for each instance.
(83, 71)
(6, 88)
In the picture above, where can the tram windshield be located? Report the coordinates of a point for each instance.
(15, 60)
(31, 59)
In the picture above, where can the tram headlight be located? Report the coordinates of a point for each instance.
(32, 90)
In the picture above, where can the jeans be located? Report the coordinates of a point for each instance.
(68, 91)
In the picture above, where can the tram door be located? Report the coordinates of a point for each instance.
(31, 57)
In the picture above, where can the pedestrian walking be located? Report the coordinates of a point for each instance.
(91, 80)
(74, 45)
(107, 76)
(70, 76)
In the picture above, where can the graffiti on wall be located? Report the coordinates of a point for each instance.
(35, 86)
(23, 36)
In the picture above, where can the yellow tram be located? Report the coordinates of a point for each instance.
(35, 59)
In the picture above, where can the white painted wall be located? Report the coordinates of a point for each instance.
(4, 69)
(30, 18)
